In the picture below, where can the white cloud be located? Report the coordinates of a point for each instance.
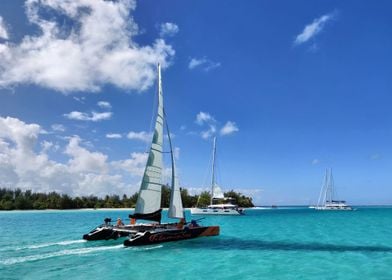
(229, 128)
(207, 121)
(203, 117)
(85, 172)
(3, 29)
(313, 29)
(46, 145)
(135, 165)
(94, 116)
(95, 49)
(113, 136)
(203, 63)
(315, 161)
(209, 132)
(169, 29)
(80, 99)
(82, 160)
(141, 136)
(104, 105)
(58, 127)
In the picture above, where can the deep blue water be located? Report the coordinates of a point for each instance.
(263, 244)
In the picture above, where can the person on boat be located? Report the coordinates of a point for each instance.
(119, 222)
(193, 224)
(181, 223)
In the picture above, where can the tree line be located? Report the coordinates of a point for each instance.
(28, 200)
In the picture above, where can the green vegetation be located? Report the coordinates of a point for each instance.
(24, 200)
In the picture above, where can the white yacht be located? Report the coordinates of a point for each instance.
(227, 208)
(326, 199)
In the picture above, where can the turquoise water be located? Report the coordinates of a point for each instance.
(264, 244)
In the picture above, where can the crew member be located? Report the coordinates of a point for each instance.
(119, 222)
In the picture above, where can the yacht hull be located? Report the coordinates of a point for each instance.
(169, 235)
(207, 211)
(334, 208)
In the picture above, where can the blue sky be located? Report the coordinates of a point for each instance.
(289, 88)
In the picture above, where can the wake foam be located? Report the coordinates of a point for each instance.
(43, 245)
(80, 251)
(61, 243)
(148, 248)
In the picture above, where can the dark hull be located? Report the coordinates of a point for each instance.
(154, 237)
(106, 232)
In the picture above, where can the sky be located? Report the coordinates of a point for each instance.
(289, 88)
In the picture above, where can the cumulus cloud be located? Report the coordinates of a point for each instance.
(203, 117)
(168, 29)
(58, 127)
(211, 126)
(93, 116)
(135, 165)
(141, 136)
(3, 29)
(203, 63)
(229, 128)
(113, 136)
(82, 45)
(104, 105)
(85, 172)
(314, 28)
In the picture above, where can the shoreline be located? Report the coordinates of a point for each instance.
(188, 208)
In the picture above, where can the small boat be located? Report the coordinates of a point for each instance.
(326, 199)
(148, 205)
(216, 194)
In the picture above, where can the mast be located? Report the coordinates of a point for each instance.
(148, 206)
(213, 169)
(323, 191)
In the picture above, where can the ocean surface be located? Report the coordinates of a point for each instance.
(296, 243)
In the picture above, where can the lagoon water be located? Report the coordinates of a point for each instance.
(294, 243)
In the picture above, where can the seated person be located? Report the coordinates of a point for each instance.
(181, 223)
(119, 222)
(193, 224)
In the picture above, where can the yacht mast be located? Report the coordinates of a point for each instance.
(213, 170)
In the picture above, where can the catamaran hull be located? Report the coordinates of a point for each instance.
(206, 211)
(104, 233)
(148, 238)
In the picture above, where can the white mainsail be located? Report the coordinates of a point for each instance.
(217, 192)
(149, 199)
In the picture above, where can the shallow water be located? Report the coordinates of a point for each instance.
(294, 243)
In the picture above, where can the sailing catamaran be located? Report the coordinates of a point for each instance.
(217, 194)
(326, 199)
(148, 205)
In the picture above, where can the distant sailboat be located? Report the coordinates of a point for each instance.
(217, 194)
(327, 200)
(148, 205)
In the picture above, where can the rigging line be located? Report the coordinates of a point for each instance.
(170, 142)
(153, 113)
